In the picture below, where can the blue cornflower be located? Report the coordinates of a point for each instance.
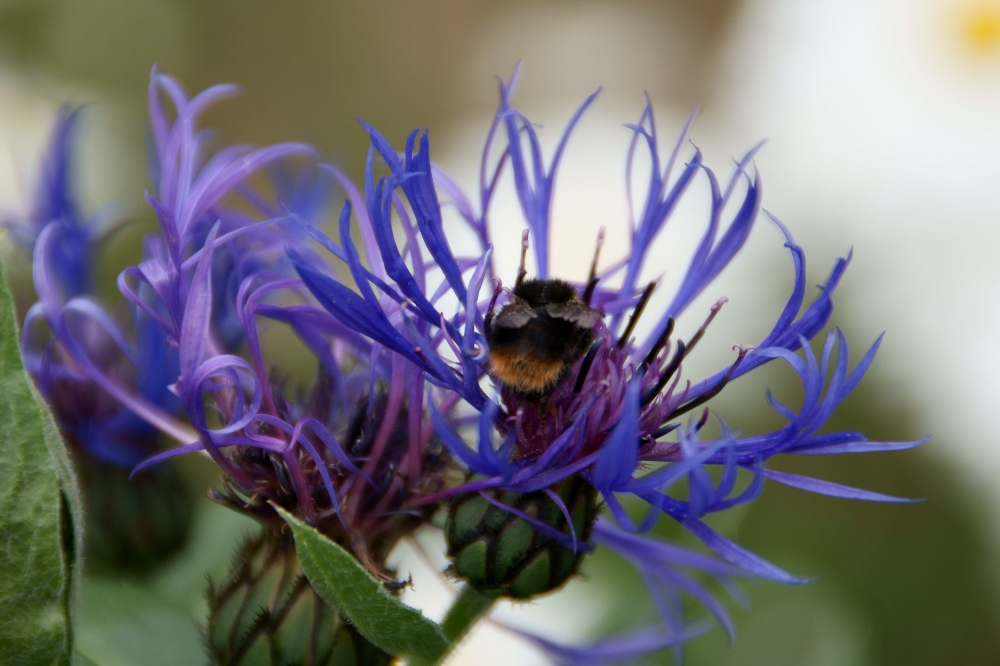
(54, 200)
(599, 409)
(349, 454)
(66, 247)
(70, 337)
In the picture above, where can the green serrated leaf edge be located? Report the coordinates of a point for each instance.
(346, 585)
(41, 515)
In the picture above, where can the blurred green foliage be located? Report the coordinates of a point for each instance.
(309, 68)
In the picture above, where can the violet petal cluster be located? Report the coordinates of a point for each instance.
(70, 336)
(620, 409)
(350, 453)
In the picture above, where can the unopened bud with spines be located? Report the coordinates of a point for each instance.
(501, 554)
(132, 525)
(267, 613)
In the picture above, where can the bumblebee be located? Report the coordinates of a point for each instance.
(539, 334)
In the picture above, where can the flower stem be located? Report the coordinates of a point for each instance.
(468, 608)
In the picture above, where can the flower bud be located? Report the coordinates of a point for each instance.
(266, 612)
(132, 525)
(501, 554)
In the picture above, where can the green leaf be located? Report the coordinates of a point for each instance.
(41, 520)
(346, 585)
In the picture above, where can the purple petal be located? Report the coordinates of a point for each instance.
(454, 443)
(620, 453)
(832, 489)
(637, 549)
(740, 556)
(626, 647)
(198, 311)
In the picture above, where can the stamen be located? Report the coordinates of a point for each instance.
(593, 279)
(636, 313)
(281, 474)
(597, 251)
(660, 432)
(419, 351)
(715, 390)
(668, 372)
(660, 341)
(702, 421)
(588, 293)
(701, 331)
(521, 270)
(682, 351)
(588, 360)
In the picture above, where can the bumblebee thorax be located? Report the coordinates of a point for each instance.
(537, 292)
(538, 335)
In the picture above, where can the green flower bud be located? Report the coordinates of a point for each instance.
(500, 554)
(267, 613)
(132, 525)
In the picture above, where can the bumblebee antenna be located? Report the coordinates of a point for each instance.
(521, 270)
(593, 279)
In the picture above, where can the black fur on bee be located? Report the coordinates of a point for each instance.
(537, 336)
